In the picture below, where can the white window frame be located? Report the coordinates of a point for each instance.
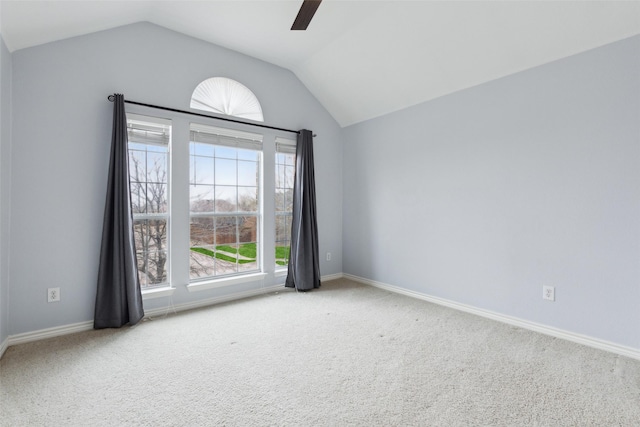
(285, 146)
(179, 211)
(154, 131)
(231, 138)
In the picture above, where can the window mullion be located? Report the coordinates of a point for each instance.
(180, 202)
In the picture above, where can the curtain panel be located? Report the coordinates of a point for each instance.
(304, 260)
(118, 297)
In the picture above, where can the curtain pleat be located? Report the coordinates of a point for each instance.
(304, 259)
(118, 297)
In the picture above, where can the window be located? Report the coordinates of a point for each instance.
(226, 96)
(149, 141)
(285, 173)
(199, 191)
(225, 202)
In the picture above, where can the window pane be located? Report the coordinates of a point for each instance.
(248, 173)
(226, 152)
(279, 158)
(202, 172)
(247, 252)
(279, 180)
(157, 235)
(225, 230)
(202, 262)
(152, 268)
(157, 198)
(226, 259)
(248, 199)
(282, 239)
(137, 165)
(248, 266)
(200, 149)
(201, 198)
(288, 176)
(225, 172)
(149, 190)
(226, 198)
(148, 197)
(247, 229)
(150, 234)
(290, 159)
(156, 148)
(288, 222)
(151, 250)
(138, 197)
(248, 155)
(279, 200)
(281, 233)
(201, 232)
(285, 171)
(282, 254)
(226, 242)
(288, 201)
(134, 146)
(157, 167)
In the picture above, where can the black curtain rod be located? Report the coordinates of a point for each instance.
(175, 110)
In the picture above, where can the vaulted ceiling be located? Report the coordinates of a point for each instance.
(361, 59)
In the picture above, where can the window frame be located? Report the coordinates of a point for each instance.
(283, 146)
(179, 244)
(157, 133)
(227, 138)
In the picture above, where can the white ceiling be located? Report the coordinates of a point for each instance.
(361, 59)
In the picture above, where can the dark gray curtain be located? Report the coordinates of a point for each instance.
(304, 260)
(118, 299)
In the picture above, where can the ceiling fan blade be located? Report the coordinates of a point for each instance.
(307, 10)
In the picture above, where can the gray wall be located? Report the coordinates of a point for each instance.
(61, 138)
(5, 187)
(484, 196)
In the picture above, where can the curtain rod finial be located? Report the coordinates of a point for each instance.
(111, 98)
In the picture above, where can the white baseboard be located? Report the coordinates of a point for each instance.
(330, 277)
(599, 344)
(3, 346)
(525, 324)
(88, 325)
(325, 278)
(49, 333)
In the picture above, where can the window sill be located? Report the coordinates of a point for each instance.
(227, 281)
(157, 293)
(281, 273)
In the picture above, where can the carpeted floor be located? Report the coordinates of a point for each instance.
(346, 354)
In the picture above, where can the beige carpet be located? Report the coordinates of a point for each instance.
(345, 354)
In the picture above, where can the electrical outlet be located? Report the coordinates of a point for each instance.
(53, 294)
(549, 293)
(328, 256)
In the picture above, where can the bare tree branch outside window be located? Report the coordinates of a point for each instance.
(149, 187)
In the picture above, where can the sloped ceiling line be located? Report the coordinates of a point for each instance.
(361, 59)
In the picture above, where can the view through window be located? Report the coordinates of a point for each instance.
(149, 141)
(285, 174)
(224, 179)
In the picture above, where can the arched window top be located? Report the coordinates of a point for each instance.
(226, 96)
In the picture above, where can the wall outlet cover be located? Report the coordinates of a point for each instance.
(53, 294)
